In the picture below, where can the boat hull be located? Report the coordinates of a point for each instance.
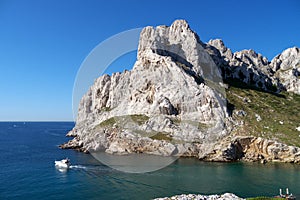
(60, 164)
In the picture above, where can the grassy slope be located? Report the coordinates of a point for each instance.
(272, 108)
(264, 198)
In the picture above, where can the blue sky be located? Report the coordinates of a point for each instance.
(43, 43)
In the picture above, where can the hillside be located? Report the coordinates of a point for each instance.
(265, 114)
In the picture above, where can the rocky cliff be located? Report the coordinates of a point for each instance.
(280, 74)
(173, 101)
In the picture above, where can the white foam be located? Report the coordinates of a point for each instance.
(77, 167)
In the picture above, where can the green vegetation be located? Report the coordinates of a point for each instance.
(139, 119)
(161, 136)
(106, 109)
(176, 121)
(264, 198)
(155, 135)
(199, 125)
(108, 122)
(280, 113)
(123, 120)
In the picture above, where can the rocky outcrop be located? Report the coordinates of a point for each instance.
(282, 73)
(287, 69)
(75, 144)
(173, 100)
(226, 196)
(254, 149)
(163, 106)
(246, 65)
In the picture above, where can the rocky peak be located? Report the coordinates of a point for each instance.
(254, 69)
(178, 42)
(287, 69)
(289, 58)
(250, 58)
(219, 52)
(246, 65)
(219, 44)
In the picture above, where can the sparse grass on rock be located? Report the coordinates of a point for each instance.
(107, 123)
(265, 198)
(279, 113)
(139, 119)
(121, 120)
(161, 136)
(106, 109)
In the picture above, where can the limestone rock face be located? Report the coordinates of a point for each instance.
(246, 65)
(218, 50)
(173, 100)
(163, 99)
(177, 41)
(287, 69)
(254, 149)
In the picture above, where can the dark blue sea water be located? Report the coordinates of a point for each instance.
(27, 171)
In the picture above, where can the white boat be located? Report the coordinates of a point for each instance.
(63, 164)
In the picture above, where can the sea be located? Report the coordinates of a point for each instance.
(28, 151)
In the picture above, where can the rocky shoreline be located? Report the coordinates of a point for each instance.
(239, 148)
(226, 196)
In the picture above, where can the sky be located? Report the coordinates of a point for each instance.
(43, 43)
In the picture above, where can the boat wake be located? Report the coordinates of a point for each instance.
(78, 167)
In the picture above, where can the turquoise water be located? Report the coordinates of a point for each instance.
(27, 171)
